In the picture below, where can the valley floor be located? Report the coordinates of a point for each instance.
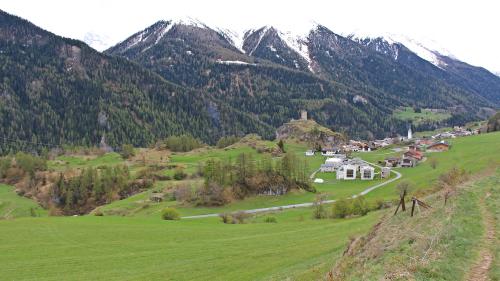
(138, 245)
(116, 248)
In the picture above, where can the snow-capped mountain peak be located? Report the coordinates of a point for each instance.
(387, 44)
(154, 33)
(233, 37)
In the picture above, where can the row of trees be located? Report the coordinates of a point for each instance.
(344, 208)
(21, 164)
(227, 179)
(183, 143)
(93, 187)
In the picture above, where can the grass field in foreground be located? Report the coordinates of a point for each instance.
(13, 205)
(116, 248)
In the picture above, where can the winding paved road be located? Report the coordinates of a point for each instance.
(308, 204)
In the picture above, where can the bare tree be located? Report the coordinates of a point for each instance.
(403, 189)
(433, 163)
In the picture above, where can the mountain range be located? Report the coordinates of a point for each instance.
(178, 77)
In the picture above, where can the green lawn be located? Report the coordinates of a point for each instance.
(13, 205)
(115, 248)
(425, 115)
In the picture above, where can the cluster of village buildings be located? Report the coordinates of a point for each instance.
(366, 146)
(350, 169)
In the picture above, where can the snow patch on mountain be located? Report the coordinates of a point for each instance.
(235, 38)
(166, 28)
(234, 62)
(299, 44)
(262, 33)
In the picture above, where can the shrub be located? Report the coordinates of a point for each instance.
(281, 146)
(182, 143)
(225, 217)
(29, 163)
(98, 213)
(183, 193)
(179, 174)
(270, 220)
(433, 163)
(33, 212)
(127, 151)
(239, 217)
(381, 204)
(170, 214)
(5, 163)
(359, 206)
(227, 141)
(319, 209)
(213, 194)
(341, 209)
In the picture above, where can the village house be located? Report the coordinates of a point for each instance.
(382, 143)
(424, 142)
(353, 148)
(461, 132)
(328, 168)
(361, 146)
(418, 155)
(330, 151)
(385, 172)
(392, 161)
(408, 162)
(438, 147)
(445, 135)
(349, 172)
(367, 172)
(334, 161)
(356, 162)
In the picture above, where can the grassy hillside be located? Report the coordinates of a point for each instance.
(114, 248)
(14, 206)
(442, 243)
(424, 116)
(474, 154)
(296, 247)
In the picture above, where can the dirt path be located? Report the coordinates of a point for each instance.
(480, 269)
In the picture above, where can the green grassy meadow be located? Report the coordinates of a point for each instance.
(474, 154)
(116, 248)
(141, 246)
(13, 205)
(425, 115)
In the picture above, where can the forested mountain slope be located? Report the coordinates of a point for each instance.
(60, 91)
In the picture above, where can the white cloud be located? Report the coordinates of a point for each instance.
(466, 28)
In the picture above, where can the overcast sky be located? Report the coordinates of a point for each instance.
(467, 29)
